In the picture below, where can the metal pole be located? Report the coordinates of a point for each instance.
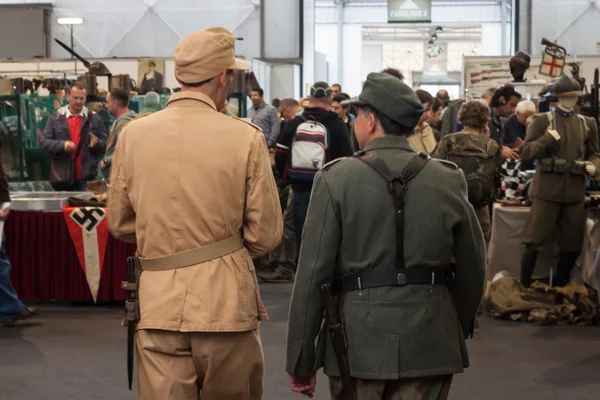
(503, 24)
(340, 41)
(516, 23)
(73, 48)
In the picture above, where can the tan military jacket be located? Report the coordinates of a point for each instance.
(423, 139)
(183, 178)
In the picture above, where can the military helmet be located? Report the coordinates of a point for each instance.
(99, 69)
(566, 86)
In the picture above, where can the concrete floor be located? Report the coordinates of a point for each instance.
(78, 353)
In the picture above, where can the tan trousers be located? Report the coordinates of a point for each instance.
(199, 365)
(483, 216)
(429, 388)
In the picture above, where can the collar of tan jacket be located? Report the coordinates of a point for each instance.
(188, 97)
(390, 142)
(425, 130)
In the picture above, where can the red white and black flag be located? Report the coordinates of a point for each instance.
(89, 233)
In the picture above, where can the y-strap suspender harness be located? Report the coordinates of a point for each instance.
(399, 276)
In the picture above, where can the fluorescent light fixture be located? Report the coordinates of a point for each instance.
(70, 21)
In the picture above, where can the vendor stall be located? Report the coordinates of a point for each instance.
(506, 250)
(63, 253)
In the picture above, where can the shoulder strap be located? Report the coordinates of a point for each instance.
(397, 186)
(585, 125)
(550, 116)
(585, 135)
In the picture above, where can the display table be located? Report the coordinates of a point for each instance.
(45, 266)
(505, 250)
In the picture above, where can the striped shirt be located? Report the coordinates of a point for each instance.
(265, 116)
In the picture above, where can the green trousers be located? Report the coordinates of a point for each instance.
(428, 388)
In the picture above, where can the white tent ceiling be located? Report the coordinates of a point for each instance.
(152, 28)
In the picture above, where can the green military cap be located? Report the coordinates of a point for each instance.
(566, 86)
(390, 97)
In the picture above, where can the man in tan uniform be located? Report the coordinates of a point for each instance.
(188, 184)
(424, 139)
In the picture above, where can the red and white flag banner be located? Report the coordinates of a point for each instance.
(89, 233)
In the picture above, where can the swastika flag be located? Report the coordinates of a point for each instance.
(89, 233)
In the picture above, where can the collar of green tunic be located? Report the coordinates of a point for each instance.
(390, 142)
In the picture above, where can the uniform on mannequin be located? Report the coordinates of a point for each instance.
(565, 145)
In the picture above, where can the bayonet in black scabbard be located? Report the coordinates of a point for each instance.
(337, 334)
(132, 312)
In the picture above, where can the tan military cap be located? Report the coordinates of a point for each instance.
(205, 54)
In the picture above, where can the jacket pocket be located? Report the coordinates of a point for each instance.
(253, 292)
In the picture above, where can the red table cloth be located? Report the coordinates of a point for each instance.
(45, 266)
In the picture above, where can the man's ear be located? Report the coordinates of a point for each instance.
(372, 123)
(223, 78)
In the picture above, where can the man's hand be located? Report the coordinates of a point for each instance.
(304, 385)
(4, 212)
(69, 146)
(93, 140)
(509, 153)
(590, 169)
(102, 164)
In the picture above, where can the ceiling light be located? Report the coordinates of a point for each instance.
(434, 37)
(430, 41)
(439, 29)
(70, 21)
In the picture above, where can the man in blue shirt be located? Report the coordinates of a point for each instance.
(265, 116)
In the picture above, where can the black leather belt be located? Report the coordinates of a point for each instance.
(395, 277)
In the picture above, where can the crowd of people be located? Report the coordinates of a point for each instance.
(492, 127)
(388, 193)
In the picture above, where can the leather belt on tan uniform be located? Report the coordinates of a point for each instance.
(192, 257)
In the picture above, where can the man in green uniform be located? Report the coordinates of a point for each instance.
(478, 156)
(391, 287)
(117, 103)
(565, 144)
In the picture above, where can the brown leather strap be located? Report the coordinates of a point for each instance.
(193, 257)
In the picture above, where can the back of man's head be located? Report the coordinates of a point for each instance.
(526, 107)
(289, 102)
(424, 96)
(152, 101)
(488, 94)
(394, 72)
(320, 95)
(393, 103)
(121, 96)
(437, 104)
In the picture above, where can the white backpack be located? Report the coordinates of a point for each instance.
(309, 150)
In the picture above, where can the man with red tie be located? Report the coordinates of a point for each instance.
(65, 131)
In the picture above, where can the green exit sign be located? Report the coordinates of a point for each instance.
(409, 11)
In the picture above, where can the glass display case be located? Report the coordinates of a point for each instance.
(23, 119)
